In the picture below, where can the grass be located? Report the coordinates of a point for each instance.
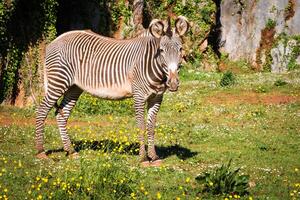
(202, 126)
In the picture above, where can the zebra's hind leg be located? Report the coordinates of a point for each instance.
(41, 115)
(62, 116)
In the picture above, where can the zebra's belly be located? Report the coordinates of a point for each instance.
(113, 92)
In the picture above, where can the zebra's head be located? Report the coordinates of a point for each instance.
(169, 52)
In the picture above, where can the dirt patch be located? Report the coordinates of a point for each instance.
(251, 98)
(8, 119)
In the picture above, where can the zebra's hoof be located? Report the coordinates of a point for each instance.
(74, 155)
(42, 156)
(145, 164)
(155, 163)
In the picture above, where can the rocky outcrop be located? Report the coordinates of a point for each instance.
(282, 55)
(250, 26)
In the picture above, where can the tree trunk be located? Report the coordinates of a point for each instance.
(138, 6)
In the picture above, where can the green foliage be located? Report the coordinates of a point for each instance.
(104, 178)
(15, 42)
(270, 24)
(280, 82)
(199, 14)
(88, 104)
(29, 71)
(228, 79)
(10, 74)
(224, 180)
(262, 89)
(50, 9)
(121, 9)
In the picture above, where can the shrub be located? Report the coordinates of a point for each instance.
(280, 82)
(270, 24)
(224, 180)
(227, 79)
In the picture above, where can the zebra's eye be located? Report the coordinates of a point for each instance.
(161, 50)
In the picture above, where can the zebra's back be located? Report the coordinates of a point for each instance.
(97, 64)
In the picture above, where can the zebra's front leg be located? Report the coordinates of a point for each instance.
(139, 105)
(153, 105)
(62, 116)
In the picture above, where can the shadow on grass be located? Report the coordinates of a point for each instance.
(128, 148)
(51, 151)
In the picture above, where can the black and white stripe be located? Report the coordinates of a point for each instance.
(142, 68)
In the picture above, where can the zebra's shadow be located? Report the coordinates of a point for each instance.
(107, 145)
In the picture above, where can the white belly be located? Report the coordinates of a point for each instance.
(113, 92)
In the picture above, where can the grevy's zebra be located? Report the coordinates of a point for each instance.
(142, 67)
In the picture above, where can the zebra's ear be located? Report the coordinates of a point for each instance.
(156, 28)
(181, 25)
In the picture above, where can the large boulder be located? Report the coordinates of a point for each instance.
(249, 27)
(282, 55)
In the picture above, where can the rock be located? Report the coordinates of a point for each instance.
(243, 22)
(203, 46)
(282, 55)
(298, 60)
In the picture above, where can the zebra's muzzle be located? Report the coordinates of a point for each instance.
(172, 83)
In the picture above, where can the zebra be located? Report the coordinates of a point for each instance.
(142, 68)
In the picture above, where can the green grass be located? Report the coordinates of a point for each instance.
(255, 122)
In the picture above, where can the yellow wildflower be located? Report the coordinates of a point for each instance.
(158, 195)
(187, 179)
(19, 164)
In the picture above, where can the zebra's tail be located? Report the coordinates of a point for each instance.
(45, 79)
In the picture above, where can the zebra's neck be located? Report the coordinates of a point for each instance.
(148, 75)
